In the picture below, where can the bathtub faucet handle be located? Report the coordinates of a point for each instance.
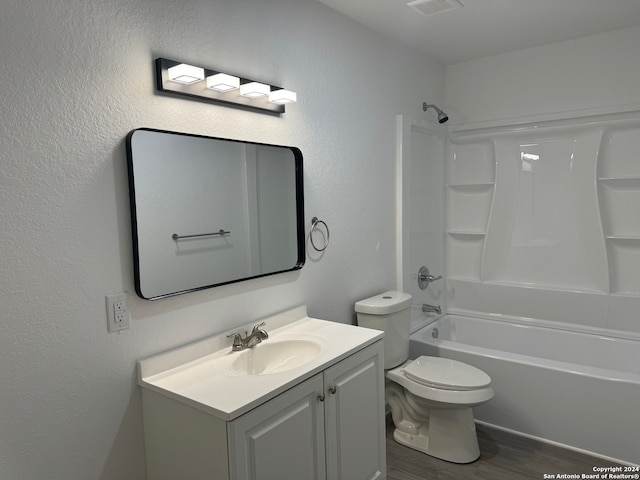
(425, 278)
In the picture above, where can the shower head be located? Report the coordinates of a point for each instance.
(442, 117)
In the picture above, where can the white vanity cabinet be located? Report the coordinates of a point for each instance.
(330, 426)
(327, 426)
(354, 417)
(283, 438)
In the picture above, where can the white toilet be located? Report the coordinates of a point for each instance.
(430, 397)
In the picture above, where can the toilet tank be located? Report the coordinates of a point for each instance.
(391, 313)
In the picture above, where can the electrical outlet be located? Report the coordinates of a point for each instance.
(118, 317)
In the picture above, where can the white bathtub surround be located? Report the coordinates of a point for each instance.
(573, 389)
(541, 222)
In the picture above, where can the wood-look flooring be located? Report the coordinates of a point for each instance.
(503, 456)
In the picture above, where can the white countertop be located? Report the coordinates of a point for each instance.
(200, 374)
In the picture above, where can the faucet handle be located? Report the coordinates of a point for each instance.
(237, 339)
(425, 278)
(256, 327)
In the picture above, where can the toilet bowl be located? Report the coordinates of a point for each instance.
(430, 398)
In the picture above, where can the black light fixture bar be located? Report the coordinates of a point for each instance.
(199, 91)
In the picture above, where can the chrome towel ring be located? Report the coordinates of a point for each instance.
(315, 222)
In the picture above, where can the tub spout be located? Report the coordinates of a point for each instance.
(426, 308)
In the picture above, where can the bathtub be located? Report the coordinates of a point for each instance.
(577, 390)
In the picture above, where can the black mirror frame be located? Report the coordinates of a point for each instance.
(300, 229)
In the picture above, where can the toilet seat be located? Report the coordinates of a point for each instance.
(446, 374)
(449, 395)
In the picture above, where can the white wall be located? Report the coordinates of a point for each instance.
(599, 73)
(76, 78)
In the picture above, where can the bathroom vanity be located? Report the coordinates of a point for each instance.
(307, 403)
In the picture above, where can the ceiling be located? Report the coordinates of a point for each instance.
(487, 27)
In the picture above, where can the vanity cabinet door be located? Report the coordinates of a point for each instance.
(281, 439)
(354, 417)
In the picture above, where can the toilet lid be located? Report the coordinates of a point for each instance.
(446, 374)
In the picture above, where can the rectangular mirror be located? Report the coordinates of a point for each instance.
(209, 211)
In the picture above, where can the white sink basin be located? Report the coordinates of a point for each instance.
(275, 356)
(226, 384)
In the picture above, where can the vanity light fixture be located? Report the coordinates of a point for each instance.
(177, 78)
(254, 89)
(184, 73)
(282, 96)
(222, 82)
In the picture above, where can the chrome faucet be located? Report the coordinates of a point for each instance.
(250, 340)
(426, 308)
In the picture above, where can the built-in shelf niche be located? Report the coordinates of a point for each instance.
(619, 200)
(471, 177)
(464, 255)
(619, 194)
(469, 207)
(624, 265)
